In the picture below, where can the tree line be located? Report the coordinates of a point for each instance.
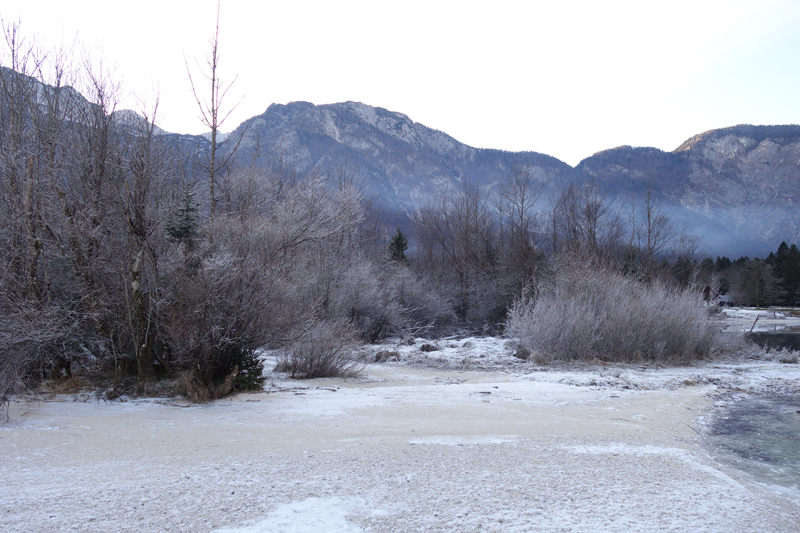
(134, 256)
(158, 265)
(756, 282)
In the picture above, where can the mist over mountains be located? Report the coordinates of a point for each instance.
(738, 188)
(735, 187)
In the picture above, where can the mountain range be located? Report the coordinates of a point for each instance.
(404, 163)
(738, 188)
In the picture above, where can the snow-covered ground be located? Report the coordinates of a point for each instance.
(760, 320)
(463, 438)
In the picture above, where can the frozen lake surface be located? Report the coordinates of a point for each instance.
(760, 435)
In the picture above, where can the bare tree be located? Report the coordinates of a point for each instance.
(457, 244)
(213, 117)
(653, 236)
(586, 224)
(18, 150)
(59, 162)
(147, 177)
(519, 231)
(515, 204)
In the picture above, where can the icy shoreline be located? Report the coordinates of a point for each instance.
(465, 438)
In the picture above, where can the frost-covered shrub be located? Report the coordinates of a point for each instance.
(378, 299)
(214, 323)
(44, 342)
(422, 306)
(327, 349)
(788, 356)
(387, 355)
(584, 312)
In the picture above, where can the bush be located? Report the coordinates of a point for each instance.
(594, 313)
(327, 349)
(40, 342)
(214, 323)
(378, 299)
(422, 306)
(387, 355)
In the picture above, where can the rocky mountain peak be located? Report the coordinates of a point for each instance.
(737, 187)
(746, 134)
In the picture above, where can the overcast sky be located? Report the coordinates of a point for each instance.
(566, 78)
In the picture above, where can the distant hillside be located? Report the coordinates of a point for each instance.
(783, 135)
(737, 187)
(405, 163)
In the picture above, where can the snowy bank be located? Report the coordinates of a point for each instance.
(464, 437)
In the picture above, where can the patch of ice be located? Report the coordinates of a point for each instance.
(308, 516)
(638, 451)
(757, 320)
(465, 440)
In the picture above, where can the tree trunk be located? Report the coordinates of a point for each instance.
(141, 323)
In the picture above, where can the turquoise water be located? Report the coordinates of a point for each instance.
(760, 435)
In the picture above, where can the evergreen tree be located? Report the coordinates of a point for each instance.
(781, 256)
(791, 275)
(756, 285)
(683, 269)
(787, 268)
(184, 226)
(771, 260)
(741, 262)
(722, 263)
(398, 245)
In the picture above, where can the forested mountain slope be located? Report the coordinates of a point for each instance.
(737, 187)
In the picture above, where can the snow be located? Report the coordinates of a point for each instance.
(455, 352)
(760, 320)
(463, 438)
(681, 454)
(312, 515)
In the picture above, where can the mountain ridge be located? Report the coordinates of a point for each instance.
(406, 162)
(738, 187)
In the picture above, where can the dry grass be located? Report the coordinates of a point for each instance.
(194, 390)
(587, 314)
(66, 385)
(327, 349)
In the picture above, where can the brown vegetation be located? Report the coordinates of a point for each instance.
(134, 258)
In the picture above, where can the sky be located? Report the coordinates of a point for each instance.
(567, 78)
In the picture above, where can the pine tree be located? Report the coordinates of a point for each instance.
(398, 245)
(789, 271)
(756, 285)
(786, 267)
(184, 226)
